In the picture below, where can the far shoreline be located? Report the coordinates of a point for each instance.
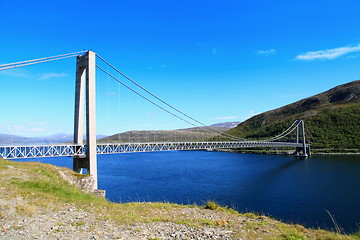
(276, 152)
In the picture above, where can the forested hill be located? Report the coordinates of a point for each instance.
(186, 135)
(332, 119)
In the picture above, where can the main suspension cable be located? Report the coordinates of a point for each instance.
(280, 136)
(207, 128)
(133, 90)
(169, 105)
(39, 60)
(284, 133)
(147, 99)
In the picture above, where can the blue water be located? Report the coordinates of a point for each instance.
(290, 189)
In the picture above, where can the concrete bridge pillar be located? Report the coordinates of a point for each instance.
(85, 89)
(305, 149)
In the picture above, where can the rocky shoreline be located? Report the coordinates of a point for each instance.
(284, 152)
(73, 223)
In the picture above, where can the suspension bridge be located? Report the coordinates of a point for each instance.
(84, 153)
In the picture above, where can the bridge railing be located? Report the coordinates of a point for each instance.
(71, 150)
(9, 152)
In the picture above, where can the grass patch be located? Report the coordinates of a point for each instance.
(45, 173)
(293, 236)
(207, 222)
(43, 185)
(26, 209)
(2, 167)
(184, 222)
(356, 235)
(79, 175)
(78, 224)
(252, 215)
(212, 205)
(62, 191)
(5, 164)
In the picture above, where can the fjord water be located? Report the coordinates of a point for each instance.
(287, 188)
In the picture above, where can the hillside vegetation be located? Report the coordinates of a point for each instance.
(37, 203)
(182, 135)
(332, 119)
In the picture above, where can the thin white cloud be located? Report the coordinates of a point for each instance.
(16, 73)
(46, 76)
(266, 52)
(112, 94)
(24, 130)
(210, 48)
(328, 54)
(37, 123)
(6, 123)
(26, 74)
(214, 51)
(150, 114)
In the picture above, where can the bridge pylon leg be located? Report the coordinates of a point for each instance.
(305, 149)
(85, 88)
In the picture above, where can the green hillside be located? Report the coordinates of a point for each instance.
(332, 119)
(186, 135)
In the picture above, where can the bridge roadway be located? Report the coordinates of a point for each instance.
(71, 150)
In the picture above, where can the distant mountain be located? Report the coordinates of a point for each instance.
(226, 124)
(8, 139)
(332, 119)
(56, 138)
(187, 134)
(182, 135)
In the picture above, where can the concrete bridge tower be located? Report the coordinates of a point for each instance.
(85, 89)
(305, 148)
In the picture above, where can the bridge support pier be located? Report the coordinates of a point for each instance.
(85, 88)
(305, 149)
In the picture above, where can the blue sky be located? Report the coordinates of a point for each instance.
(214, 60)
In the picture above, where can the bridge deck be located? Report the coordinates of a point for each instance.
(71, 150)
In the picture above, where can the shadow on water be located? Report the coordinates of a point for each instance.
(302, 190)
(260, 185)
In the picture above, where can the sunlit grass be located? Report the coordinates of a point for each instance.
(212, 205)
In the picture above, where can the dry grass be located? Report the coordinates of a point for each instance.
(26, 209)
